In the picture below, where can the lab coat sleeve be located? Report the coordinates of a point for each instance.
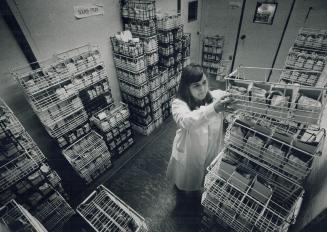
(187, 119)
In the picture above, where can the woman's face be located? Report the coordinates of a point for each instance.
(199, 89)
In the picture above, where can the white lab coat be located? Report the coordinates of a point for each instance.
(198, 140)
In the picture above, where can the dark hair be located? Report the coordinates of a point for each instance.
(191, 74)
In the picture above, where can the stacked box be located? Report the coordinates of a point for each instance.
(25, 174)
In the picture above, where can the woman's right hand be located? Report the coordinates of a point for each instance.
(220, 104)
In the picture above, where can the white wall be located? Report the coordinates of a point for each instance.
(50, 27)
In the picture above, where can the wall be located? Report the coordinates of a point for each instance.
(217, 13)
(50, 27)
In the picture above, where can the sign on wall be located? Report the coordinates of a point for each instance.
(88, 10)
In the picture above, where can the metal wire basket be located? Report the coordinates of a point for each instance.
(104, 211)
(89, 150)
(16, 217)
(312, 39)
(245, 200)
(282, 102)
(285, 158)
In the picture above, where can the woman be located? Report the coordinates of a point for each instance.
(198, 115)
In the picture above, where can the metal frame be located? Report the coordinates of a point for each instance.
(104, 211)
(227, 189)
(12, 212)
(261, 105)
(89, 149)
(280, 163)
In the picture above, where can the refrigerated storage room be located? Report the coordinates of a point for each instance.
(109, 110)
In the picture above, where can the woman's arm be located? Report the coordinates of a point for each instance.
(187, 119)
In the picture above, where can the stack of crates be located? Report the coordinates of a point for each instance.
(144, 97)
(65, 92)
(25, 175)
(309, 53)
(257, 182)
(174, 52)
(104, 211)
(113, 124)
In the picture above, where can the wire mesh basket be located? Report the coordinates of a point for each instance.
(81, 59)
(168, 22)
(130, 48)
(299, 104)
(139, 30)
(138, 9)
(150, 44)
(137, 91)
(135, 65)
(16, 170)
(306, 78)
(152, 58)
(89, 150)
(286, 159)
(104, 211)
(302, 59)
(140, 102)
(132, 78)
(16, 218)
(91, 77)
(312, 39)
(8, 121)
(63, 126)
(110, 117)
(61, 111)
(247, 198)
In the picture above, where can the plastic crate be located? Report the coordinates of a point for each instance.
(243, 204)
(16, 217)
(104, 211)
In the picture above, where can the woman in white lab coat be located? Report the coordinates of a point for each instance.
(198, 115)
